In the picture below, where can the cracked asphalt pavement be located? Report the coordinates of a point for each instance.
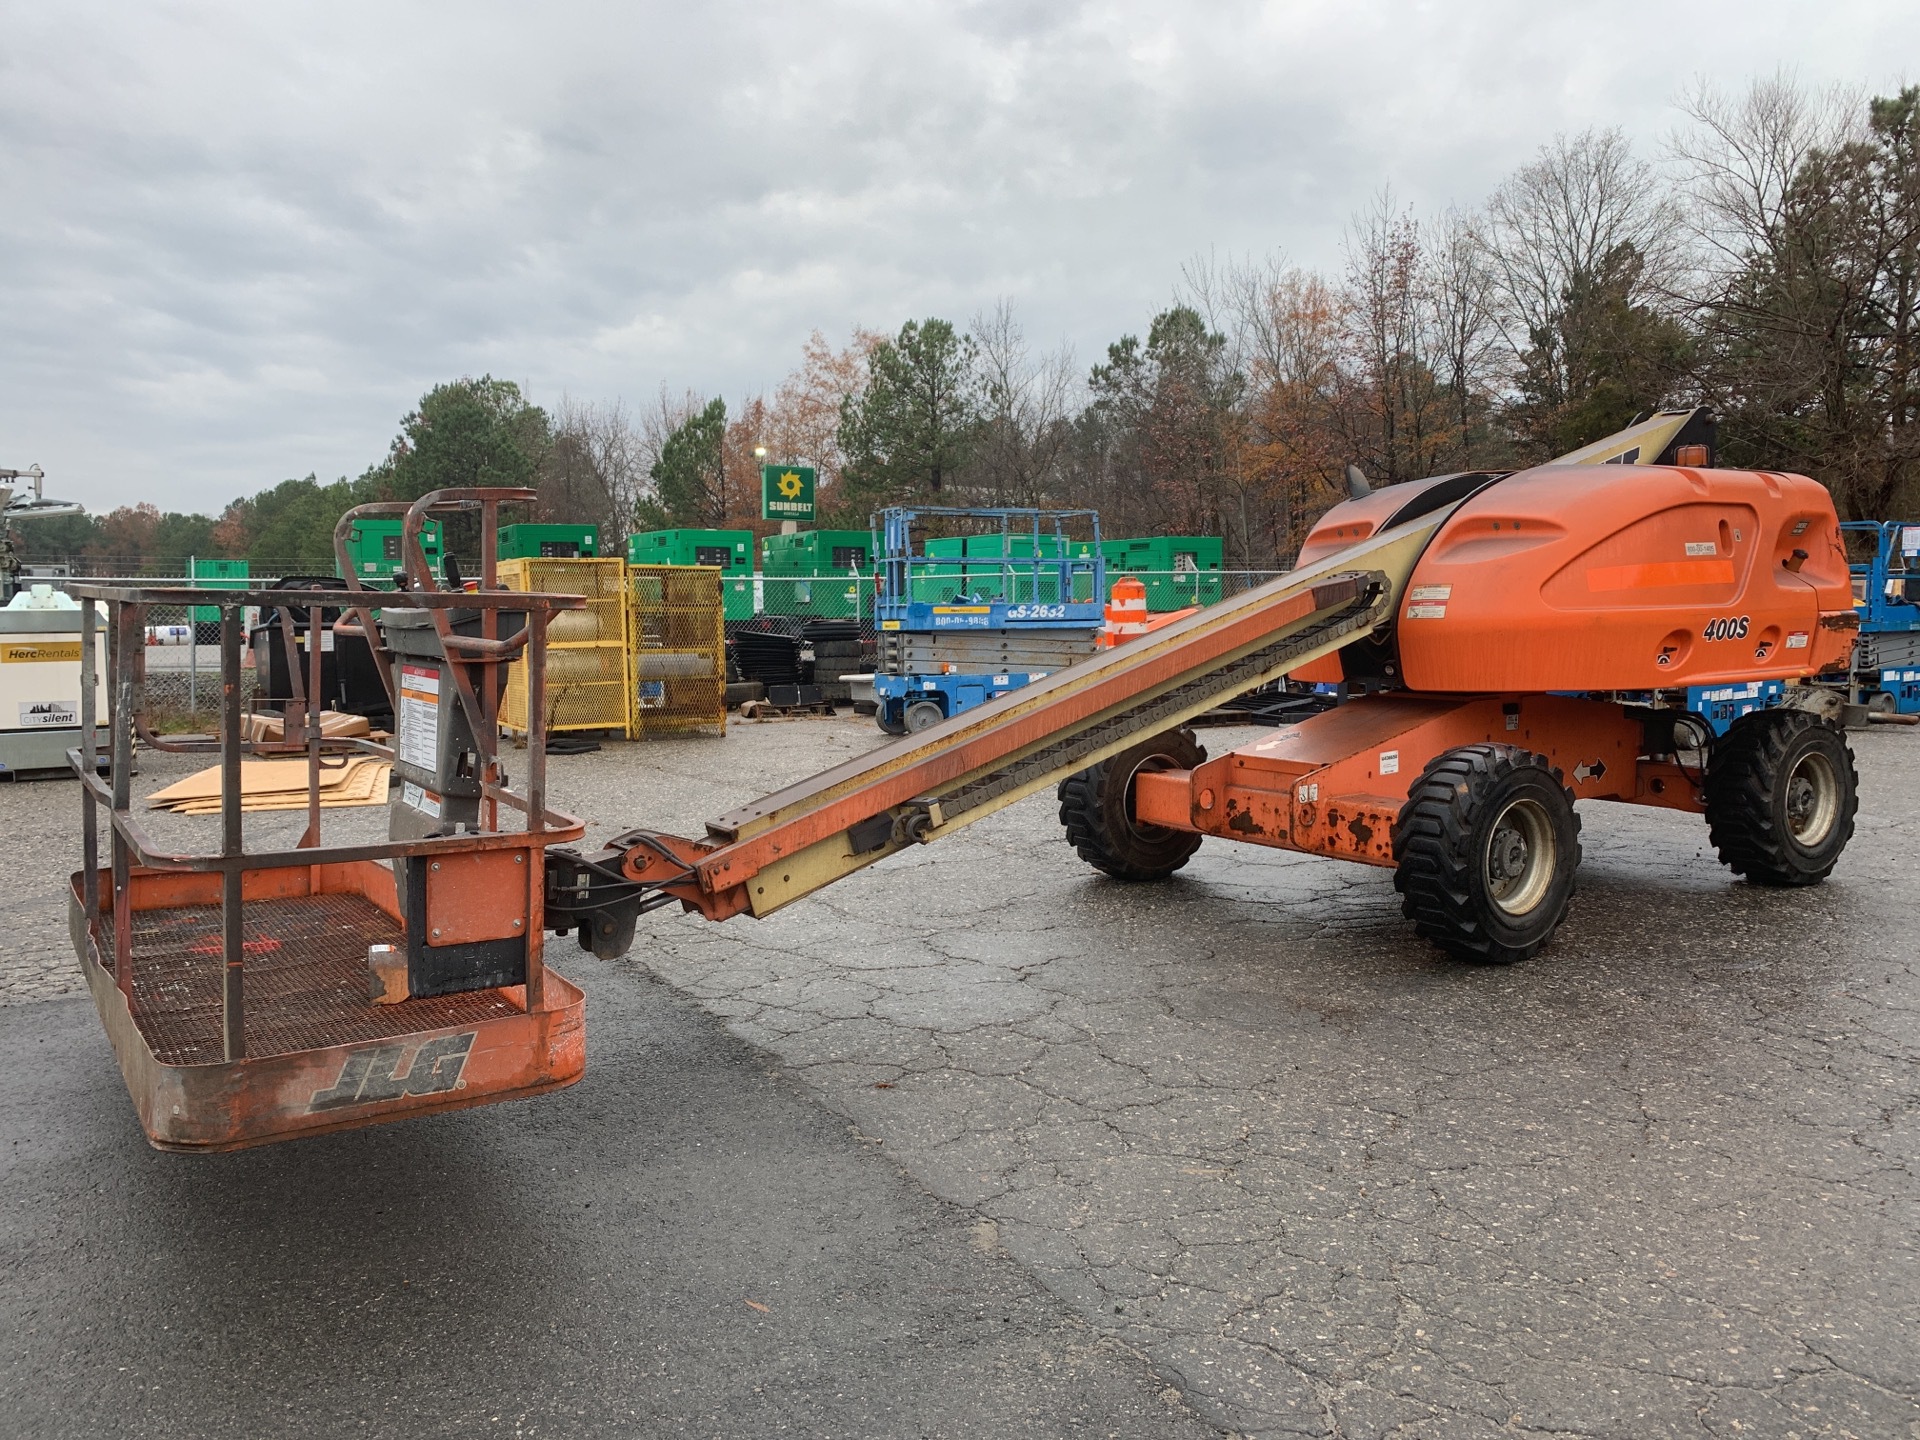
(1657, 1181)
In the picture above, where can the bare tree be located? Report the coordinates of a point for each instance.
(1460, 288)
(1287, 334)
(1561, 219)
(1742, 154)
(592, 472)
(1809, 312)
(1016, 459)
(1392, 331)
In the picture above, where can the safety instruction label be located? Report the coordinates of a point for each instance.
(1389, 762)
(1427, 612)
(419, 717)
(48, 714)
(1910, 539)
(1442, 593)
(421, 799)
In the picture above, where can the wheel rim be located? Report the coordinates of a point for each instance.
(1147, 763)
(1520, 857)
(1813, 800)
(922, 715)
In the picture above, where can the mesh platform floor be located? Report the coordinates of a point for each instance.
(306, 979)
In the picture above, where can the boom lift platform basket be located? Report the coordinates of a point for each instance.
(253, 996)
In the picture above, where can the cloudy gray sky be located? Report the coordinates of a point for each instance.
(237, 241)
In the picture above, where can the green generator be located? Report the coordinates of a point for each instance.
(373, 548)
(984, 575)
(730, 550)
(987, 576)
(549, 542)
(815, 574)
(941, 582)
(817, 552)
(1178, 570)
(213, 575)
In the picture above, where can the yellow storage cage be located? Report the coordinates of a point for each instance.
(589, 675)
(677, 651)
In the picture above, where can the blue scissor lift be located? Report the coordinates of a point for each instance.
(1886, 592)
(1011, 599)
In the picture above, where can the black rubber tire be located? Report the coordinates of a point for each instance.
(892, 727)
(1883, 704)
(1765, 771)
(1096, 807)
(921, 715)
(1448, 876)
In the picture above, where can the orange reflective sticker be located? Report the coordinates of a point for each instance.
(1661, 575)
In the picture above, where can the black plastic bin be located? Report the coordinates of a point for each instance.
(349, 676)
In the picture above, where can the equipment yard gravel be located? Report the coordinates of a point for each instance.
(1658, 1181)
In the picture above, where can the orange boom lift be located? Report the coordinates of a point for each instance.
(1509, 645)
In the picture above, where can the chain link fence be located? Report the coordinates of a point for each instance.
(183, 667)
(797, 629)
(815, 629)
(787, 604)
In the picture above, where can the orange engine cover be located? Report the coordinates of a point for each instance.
(1348, 523)
(1610, 577)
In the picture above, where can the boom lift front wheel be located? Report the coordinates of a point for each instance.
(1486, 847)
(1096, 807)
(1781, 795)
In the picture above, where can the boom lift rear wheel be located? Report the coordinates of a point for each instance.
(1781, 795)
(1096, 807)
(1486, 847)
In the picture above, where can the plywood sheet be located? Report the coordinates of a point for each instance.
(278, 785)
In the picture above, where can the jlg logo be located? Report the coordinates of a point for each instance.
(1727, 627)
(374, 1074)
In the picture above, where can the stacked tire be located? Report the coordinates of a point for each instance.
(837, 650)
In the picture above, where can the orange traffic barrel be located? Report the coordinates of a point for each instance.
(1126, 612)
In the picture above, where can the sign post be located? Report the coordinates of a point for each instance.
(786, 495)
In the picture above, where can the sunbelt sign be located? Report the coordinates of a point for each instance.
(786, 492)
